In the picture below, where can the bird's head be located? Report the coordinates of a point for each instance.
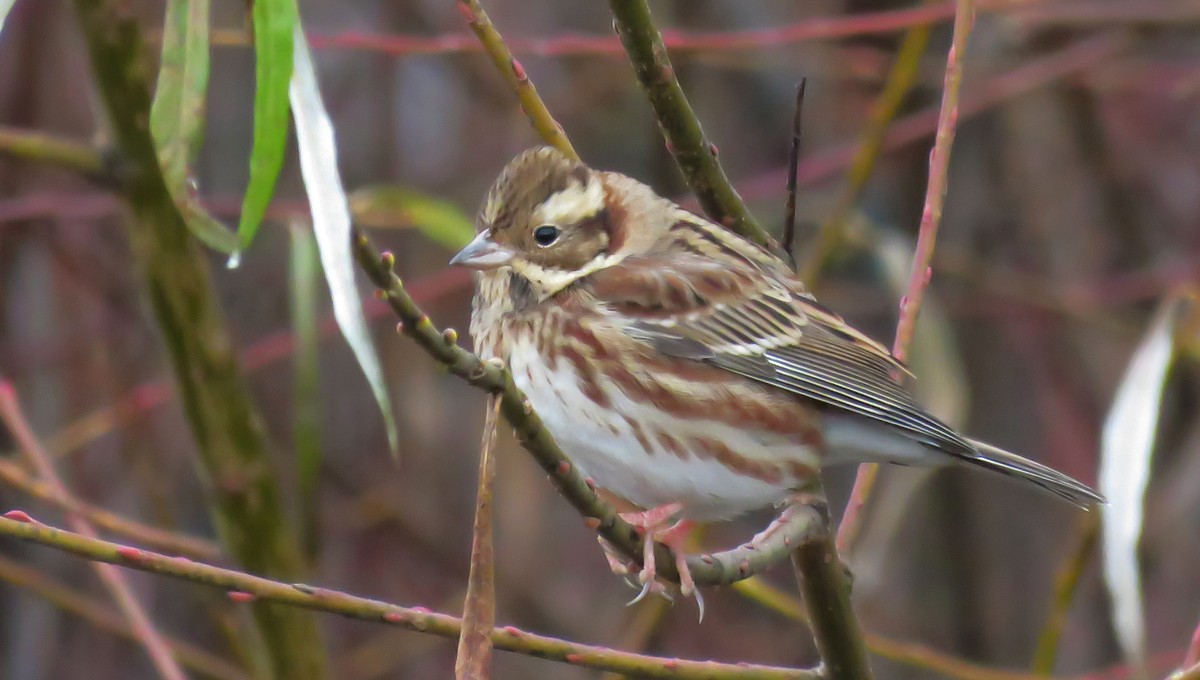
(552, 220)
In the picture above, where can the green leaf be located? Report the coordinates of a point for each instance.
(306, 386)
(177, 114)
(331, 222)
(274, 21)
(384, 206)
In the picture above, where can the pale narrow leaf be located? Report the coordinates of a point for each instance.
(1127, 446)
(177, 114)
(5, 7)
(331, 220)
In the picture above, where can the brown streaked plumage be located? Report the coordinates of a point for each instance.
(680, 365)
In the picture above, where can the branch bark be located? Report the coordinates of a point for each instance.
(261, 590)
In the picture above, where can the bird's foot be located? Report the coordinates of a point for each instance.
(657, 525)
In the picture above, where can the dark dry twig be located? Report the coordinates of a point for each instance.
(789, 212)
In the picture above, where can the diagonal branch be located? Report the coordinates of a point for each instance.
(18, 525)
(695, 155)
(535, 109)
(796, 525)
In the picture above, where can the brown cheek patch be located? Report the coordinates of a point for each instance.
(613, 221)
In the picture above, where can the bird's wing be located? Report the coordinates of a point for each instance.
(758, 323)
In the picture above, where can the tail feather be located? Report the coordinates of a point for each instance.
(996, 459)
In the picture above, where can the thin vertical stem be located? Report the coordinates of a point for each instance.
(931, 216)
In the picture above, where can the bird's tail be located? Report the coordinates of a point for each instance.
(996, 459)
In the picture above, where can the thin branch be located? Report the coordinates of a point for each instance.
(695, 155)
(789, 212)
(159, 539)
(826, 590)
(415, 618)
(931, 216)
(139, 621)
(794, 526)
(514, 74)
(25, 144)
(100, 616)
(900, 81)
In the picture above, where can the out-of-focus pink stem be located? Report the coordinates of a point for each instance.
(931, 217)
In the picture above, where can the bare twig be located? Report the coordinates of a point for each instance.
(99, 615)
(789, 212)
(515, 75)
(695, 155)
(145, 631)
(931, 216)
(415, 618)
(159, 539)
(479, 610)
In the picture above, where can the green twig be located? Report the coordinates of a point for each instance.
(1065, 584)
(27, 145)
(514, 74)
(244, 498)
(175, 543)
(248, 587)
(693, 152)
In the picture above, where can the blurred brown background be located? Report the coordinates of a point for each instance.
(1074, 205)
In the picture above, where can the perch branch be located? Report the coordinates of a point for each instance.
(419, 619)
(794, 526)
(931, 216)
(695, 155)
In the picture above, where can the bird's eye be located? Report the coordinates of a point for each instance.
(546, 235)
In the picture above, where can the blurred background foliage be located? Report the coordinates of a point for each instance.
(1074, 206)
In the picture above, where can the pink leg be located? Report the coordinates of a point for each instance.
(660, 526)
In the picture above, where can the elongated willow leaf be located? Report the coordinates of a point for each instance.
(274, 23)
(331, 220)
(177, 114)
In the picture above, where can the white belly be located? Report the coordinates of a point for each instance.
(603, 444)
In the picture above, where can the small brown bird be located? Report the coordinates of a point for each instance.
(680, 366)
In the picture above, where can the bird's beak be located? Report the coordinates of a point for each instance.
(483, 253)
